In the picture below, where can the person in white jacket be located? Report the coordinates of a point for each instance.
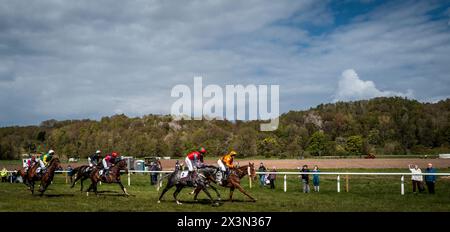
(417, 179)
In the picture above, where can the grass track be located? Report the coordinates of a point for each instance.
(367, 193)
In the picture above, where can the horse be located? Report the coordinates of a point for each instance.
(46, 178)
(23, 172)
(82, 172)
(234, 180)
(112, 177)
(201, 180)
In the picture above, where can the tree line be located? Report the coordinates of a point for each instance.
(391, 126)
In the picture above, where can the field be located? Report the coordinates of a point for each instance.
(366, 193)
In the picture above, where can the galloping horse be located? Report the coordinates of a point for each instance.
(201, 180)
(45, 179)
(23, 174)
(112, 177)
(82, 172)
(234, 180)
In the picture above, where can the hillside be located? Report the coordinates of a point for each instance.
(380, 126)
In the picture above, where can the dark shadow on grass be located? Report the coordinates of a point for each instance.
(57, 195)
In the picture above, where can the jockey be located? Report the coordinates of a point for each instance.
(225, 163)
(30, 163)
(94, 158)
(194, 160)
(41, 166)
(108, 161)
(47, 157)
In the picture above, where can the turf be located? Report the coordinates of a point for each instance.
(366, 193)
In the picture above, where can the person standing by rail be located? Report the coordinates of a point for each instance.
(417, 179)
(430, 180)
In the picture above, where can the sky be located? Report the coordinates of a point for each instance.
(88, 59)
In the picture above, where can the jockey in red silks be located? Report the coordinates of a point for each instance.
(194, 160)
(108, 161)
(30, 163)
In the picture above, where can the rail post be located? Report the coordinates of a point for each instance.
(129, 178)
(402, 185)
(346, 184)
(285, 184)
(338, 184)
(249, 176)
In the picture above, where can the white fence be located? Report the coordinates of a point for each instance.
(337, 174)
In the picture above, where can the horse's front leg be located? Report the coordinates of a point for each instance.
(196, 191)
(243, 191)
(89, 189)
(231, 193)
(209, 195)
(123, 188)
(32, 187)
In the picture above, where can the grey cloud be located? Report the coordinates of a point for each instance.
(91, 59)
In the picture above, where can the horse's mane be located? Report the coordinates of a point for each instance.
(52, 161)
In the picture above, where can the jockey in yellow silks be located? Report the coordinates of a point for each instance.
(225, 163)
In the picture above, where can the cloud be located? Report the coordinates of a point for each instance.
(351, 87)
(86, 59)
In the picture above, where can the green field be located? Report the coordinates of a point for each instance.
(367, 193)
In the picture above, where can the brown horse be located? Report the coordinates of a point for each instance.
(23, 173)
(82, 173)
(112, 177)
(45, 179)
(234, 180)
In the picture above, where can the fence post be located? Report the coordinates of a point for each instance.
(285, 184)
(249, 177)
(402, 188)
(66, 176)
(346, 184)
(10, 177)
(160, 180)
(129, 179)
(338, 184)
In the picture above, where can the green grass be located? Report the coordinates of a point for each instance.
(367, 193)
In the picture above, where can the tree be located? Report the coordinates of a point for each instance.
(317, 144)
(355, 145)
(269, 146)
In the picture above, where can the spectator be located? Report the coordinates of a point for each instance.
(272, 178)
(4, 174)
(262, 177)
(69, 173)
(417, 180)
(154, 166)
(305, 179)
(316, 180)
(431, 179)
(13, 176)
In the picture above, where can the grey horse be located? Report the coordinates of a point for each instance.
(201, 179)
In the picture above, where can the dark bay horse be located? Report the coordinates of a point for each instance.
(82, 173)
(111, 178)
(203, 175)
(46, 179)
(234, 180)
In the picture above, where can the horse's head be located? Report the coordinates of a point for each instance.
(55, 163)
(252, 171)
(122, 165)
